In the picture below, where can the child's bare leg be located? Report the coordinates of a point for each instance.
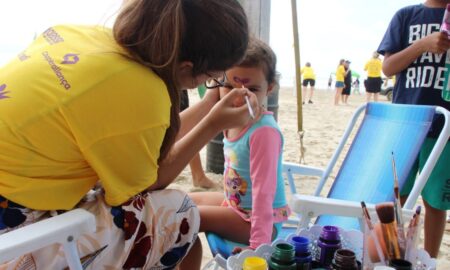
(199, 178)
(221, 220)
(207, 198)
(224, 222)
(435, 220)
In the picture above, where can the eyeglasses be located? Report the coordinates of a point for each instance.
(214, 82)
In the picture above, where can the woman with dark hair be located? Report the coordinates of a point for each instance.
(89, 118)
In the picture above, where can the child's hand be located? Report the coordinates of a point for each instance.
(237, 250)
(437, 42)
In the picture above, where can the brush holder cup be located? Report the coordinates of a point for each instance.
(419, 258)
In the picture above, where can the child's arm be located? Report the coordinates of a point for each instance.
(265, 149)
(436, 42)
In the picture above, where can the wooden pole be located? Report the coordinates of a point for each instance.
(298, 79)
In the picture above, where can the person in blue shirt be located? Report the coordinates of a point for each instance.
(416, 51)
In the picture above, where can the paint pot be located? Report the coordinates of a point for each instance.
(328, 242)
(400, 264)
(345, 259)
(303, 256)
(283, 257)
(254, 263)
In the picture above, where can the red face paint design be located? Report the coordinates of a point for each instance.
(241, 80)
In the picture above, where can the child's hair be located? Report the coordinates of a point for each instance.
(212, 34)
(341, 62)
(308, 64)
(259, 54)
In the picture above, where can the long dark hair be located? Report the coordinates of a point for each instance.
(259, 54)
(212, 34)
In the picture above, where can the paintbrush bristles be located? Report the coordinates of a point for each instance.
(385, 212)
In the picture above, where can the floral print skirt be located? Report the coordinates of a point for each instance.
(153, 230)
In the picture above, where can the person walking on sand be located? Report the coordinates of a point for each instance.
(374, 81)
(330, 81)
(347, 82)
(309, 78)
(340, 75)
(356, 86)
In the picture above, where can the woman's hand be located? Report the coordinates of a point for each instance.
(229, 113)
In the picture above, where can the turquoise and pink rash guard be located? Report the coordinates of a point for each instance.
(253, 182)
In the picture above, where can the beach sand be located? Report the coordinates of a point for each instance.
(323, 126)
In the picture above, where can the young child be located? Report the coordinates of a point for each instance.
(416, 51)
(253, 205)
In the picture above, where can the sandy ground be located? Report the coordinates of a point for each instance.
(324, 125)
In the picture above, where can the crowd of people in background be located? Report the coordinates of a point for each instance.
(346, 81)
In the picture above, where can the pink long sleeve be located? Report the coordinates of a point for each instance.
(265, 149)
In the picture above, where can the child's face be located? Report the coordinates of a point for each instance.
(252, 78)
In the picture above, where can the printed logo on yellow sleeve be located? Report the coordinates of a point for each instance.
(70, 58)
(3, 91)
(23, 56)
(51, 36)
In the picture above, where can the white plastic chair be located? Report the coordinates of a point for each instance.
(63, 229)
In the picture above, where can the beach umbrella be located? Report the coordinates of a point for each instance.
(355, 74)
(298, 79)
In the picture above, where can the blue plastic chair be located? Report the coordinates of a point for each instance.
(366, 172)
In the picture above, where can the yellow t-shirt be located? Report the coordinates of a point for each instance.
(74, 110)
(373, 67)
(308, 73)
(340, 73)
